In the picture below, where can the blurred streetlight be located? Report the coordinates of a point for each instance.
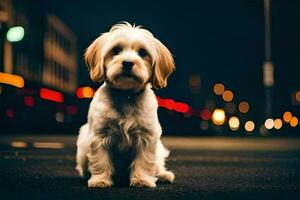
(268, 68)
(269, 123)
(294, 121)
(218, 116)
(278, 124)
(219, 89)
(249, 126)
(287, 116)
(234, 123)
(244, 107)
(227, 96)
(15, 34)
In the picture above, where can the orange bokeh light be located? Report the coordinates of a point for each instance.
(219, 89)
(85, 92)
(287, 116)
(294, 121)
(244, 107)
(12, 79)
(228, 96)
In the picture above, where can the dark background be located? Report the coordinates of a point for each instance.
(220, 41)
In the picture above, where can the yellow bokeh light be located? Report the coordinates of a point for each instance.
(234, 123)
(244, 107)
(298, 96)
(218, 116)
(219, 89)
(249, 126)
(287, 116)
(12, 79)
(228, 95)
(277, 124)
(294, 121)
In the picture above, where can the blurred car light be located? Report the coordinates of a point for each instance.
(12, 79)
(51, 95)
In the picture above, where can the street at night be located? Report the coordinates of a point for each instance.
(92, 87)
(42, 167)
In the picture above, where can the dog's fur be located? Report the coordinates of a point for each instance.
(122, 118)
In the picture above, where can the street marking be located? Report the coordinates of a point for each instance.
(18, 144)
(48, 145)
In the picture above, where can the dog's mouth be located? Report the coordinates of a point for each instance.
(127, 76)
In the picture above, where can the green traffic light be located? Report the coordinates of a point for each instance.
(15, 34)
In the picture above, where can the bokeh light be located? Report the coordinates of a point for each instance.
(287, 116)
(244, 107)
(277, 123)
(12, 79)
(294, 121)
(219, 89)
(205, 114)
(234, 123)
(227, 96)
(249, 126)
(230, 107)
(204, 125)
(85, 92)
(218, 116)
(59, 117)
(269, 123)
(298, 96)
(15, 34)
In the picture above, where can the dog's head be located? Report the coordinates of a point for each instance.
(128, 57)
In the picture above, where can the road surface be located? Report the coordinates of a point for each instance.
(42, 167)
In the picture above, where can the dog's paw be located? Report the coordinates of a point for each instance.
(99, 181)
(142, 182)
(167, 176)
(80, 170)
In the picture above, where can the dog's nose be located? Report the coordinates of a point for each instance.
(127, 65)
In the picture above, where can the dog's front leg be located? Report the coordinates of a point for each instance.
(100, 164)
(143, 166)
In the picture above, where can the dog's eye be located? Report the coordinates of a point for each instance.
(116, 50)
(143, 53)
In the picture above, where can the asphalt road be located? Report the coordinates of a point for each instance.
(42, 167)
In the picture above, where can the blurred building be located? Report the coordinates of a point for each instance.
(47, 54)
(60, 66)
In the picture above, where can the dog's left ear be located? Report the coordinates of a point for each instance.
(94, 58)
(164, 65)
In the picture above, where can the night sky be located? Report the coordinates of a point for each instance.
(223, 41)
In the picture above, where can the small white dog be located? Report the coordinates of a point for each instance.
(122, 118)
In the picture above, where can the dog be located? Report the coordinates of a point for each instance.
(122, 117)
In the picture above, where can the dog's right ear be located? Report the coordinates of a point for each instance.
(94, 58)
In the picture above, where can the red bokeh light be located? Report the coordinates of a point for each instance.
(205, 114)
(29, 101)
(51, 95)
(181, 107)
(10, 113)
(72, 110)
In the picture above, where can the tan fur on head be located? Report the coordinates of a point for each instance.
(164, 65)
(104, 65)
(94, 60)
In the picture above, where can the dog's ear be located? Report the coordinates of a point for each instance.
(164, 65)
(94, 58)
